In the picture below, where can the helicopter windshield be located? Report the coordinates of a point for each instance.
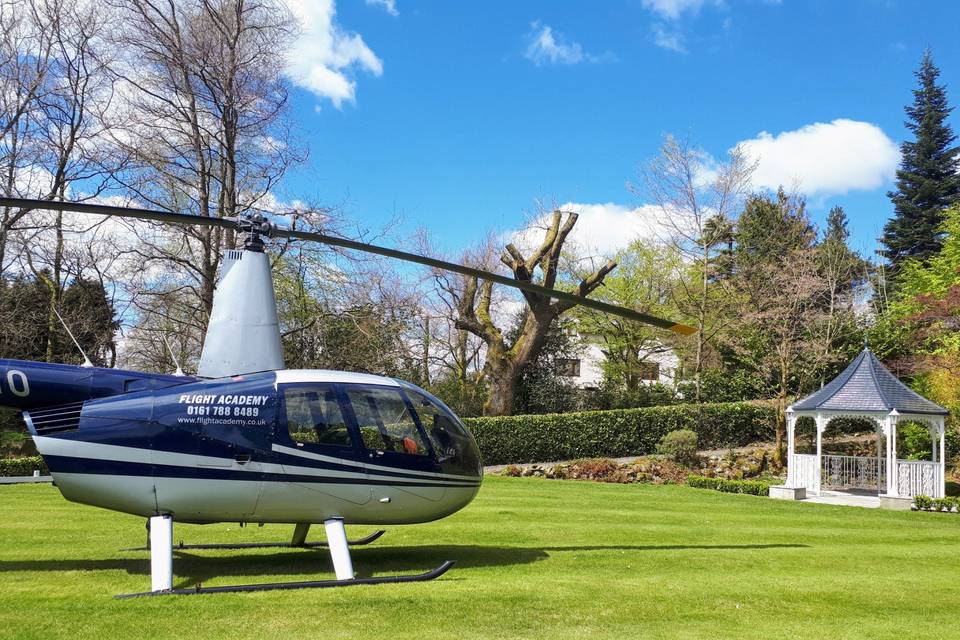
(452, 443)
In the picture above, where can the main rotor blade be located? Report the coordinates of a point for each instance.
(487, 275)
(187, 219)
(123, 212)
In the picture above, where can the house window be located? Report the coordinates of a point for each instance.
(649, 371)
(569, 367)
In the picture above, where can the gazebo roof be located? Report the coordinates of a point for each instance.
(866, 385)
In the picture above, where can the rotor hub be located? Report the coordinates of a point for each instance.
(254, 227)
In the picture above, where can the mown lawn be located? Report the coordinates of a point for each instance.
(536, 559)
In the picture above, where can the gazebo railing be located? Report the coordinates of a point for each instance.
(803, 471)
(918, 477)
(913, 477)
(853, 472)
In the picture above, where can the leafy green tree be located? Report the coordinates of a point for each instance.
(88, 311)
(84, 306)
(781, 292)
(921, 330)
(769, 229)
(23, 307)
(927, 181)
(645, 280)
(465, 397)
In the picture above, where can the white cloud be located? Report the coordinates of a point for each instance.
(674, 9)
(670, 34)
(390, 6)
(602, 228)
(668, 38)
(824, 158)
(549, 47)
(324, 57)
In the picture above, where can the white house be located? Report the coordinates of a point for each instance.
(587, 370)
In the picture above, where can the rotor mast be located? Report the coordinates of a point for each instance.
(243, 335)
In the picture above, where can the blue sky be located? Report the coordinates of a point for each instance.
(458, 116)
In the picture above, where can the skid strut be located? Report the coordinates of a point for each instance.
(161, 563)
(359, 542)
(161, 553)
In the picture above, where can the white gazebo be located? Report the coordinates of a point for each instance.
(866, 389)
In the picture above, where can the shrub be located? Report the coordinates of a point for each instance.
(754, 487)
(680, 446)
(922, 502)
(22, 466)
(944, 504)
(617, 433)
(750, 487)
(700, 482)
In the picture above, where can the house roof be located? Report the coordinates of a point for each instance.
(866, 385)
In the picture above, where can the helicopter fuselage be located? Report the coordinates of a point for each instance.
(294, 446)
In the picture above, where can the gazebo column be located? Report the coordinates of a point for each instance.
(892, 488)
(821, 424)
(880, 489)
(791, 429)
(941, 427)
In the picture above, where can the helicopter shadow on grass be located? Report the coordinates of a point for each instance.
(191, 569)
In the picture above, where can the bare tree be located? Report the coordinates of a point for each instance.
(697, 199)
(783, 309)
(26, 49)
(206, 123)
(58, 90)
(843, 271)
(473, 301)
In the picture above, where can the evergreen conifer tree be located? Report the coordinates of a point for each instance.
(927, 181)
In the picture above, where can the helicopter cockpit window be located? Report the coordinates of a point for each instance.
(385, 423)
(451, 442)
(314, 416)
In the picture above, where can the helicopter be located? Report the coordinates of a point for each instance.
(247, 440)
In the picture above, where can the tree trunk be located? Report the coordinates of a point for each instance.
(780, 428)
(503, 383)
(701, 323)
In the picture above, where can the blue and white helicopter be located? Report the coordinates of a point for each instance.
(246, 440)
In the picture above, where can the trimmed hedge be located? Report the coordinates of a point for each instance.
(617, 433)
(22, 466)
(750, 487)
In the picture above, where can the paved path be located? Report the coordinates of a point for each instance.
(845, 499)
(25, 479)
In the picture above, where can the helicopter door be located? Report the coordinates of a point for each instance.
(320, 454)
(398, 452)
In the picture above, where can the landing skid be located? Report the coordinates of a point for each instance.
(161, 561)
(279, 586)
(267, 545)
